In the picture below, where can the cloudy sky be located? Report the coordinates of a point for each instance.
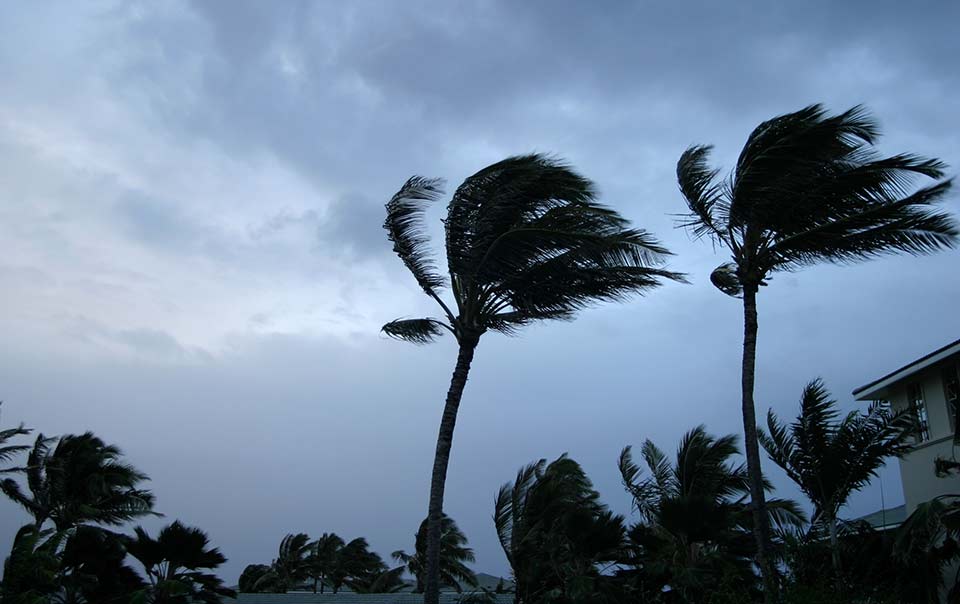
(193, 266)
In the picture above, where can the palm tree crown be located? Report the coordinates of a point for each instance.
(177, 564)
(81, 479)
(695, 514)
(808, 188)
(830, 459)
(525, 241)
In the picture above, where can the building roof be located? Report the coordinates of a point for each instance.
(885, 519)
(877, 389)
(352, 598)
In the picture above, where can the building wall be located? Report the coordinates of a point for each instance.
(920, 483)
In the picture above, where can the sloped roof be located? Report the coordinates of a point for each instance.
(878, 388)
(888, 518)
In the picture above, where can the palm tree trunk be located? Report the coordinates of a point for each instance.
(761, 528)
(835, 549)
(431, 594)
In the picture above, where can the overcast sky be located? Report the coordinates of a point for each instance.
(193, 266)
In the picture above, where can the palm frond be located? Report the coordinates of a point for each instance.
(406, 229)
(703, 193)
(907, 225)
(418, 331)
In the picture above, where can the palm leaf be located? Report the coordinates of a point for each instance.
(406, 229)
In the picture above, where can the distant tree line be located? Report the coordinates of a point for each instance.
(329, 562)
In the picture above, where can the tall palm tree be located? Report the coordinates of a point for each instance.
(829, 459)
(525, 241)
(454, 554)
(808, 188)
(177, 563)
(695, 515)
(80, 480)
(323, 558)
(555, 532)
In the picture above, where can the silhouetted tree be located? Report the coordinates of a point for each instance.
(454, 554)
(323, 558)
(355, 562)
(830, 459)
(80, 480)
(251, 579)
(177, 563)
(525, 241)
(808, 188)
(694, 533)
(556, 533)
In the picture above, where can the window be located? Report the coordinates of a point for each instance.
(951, 392)
(919, 409)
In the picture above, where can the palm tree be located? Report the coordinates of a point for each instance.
(355, 562)
(808, 188)
(323, 558)
(830, 459)
(454, 554)
(525, 241)
(80, 480)
(695, 515)
(555, 532)
(93, 568)
(177, 563)
(292, 565)
(252, 579)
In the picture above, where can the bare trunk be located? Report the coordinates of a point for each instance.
(835, 550)
(761, 527)
(431, 594)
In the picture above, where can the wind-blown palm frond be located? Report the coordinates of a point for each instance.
(407, 231)
(8, 452)
(417, 331)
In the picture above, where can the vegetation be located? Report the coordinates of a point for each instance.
(557, 535)
(830, 459)
(526, 241)
(694, 529)
(329, 561)
(79, 484)
(80, 480)
(808, 188)
(176, 565)
(454, 554)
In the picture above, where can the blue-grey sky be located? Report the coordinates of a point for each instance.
(193, 266)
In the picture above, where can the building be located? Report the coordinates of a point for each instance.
(930, 388)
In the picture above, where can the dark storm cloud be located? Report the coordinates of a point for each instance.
(192, 206)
